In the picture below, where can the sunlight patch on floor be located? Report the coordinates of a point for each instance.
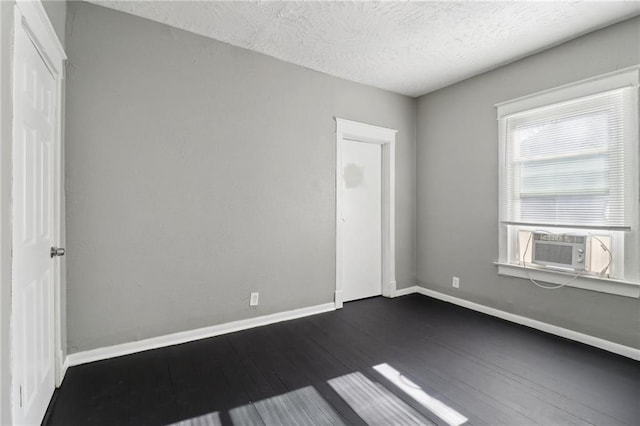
(446, 413)
(374, 403)
(300, 407)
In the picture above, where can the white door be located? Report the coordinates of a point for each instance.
(33, 268)
(362, 220)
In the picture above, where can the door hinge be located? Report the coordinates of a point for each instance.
(20, 396)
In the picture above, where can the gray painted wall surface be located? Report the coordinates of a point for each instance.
(57, 12)
(198, 172)
(457, 158)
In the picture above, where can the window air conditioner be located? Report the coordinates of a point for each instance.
(563, 250)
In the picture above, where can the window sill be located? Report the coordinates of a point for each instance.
(602, 285)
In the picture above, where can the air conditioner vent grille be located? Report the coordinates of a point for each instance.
(563, 250)
(554, 253)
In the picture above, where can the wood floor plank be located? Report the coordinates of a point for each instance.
(462, 368)
(557, 380)
(359, 358)
(490, 371)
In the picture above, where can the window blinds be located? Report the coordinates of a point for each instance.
(566, 163)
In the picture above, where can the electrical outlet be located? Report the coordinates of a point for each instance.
(254, 299)
(455, 282)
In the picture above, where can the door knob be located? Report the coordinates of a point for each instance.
(57, 251)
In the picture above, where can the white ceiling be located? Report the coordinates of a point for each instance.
(407, 47)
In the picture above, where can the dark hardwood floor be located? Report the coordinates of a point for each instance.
(319, 370)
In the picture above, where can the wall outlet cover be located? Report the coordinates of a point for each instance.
(455, 282)
(254, 299)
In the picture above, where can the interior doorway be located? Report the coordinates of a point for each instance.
(365, 205)
(361, 220)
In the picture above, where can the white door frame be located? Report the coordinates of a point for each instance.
(347, 130)
(31, 17)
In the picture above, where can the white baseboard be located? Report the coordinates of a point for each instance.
(216, 330)
(405, 291)
(191, 335)
(597, 342)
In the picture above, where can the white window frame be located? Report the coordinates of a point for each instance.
(627, 251)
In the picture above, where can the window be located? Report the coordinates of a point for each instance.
(569, 165)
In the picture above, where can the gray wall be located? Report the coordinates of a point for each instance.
(57, 12)
(457, 157)
(198, 172)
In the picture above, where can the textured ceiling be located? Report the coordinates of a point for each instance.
(407, 47)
